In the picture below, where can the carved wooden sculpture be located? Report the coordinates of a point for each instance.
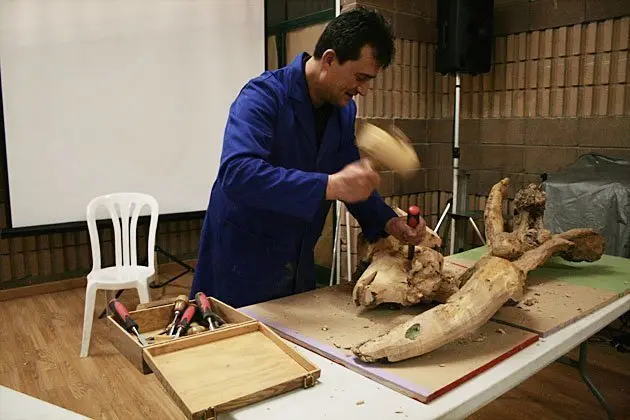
(468, 299)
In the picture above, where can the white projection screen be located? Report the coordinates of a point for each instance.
(105, 96)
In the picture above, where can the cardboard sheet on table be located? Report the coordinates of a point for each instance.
(327, 322)
(559, 293)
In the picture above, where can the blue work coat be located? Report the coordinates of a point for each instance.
(267, 207)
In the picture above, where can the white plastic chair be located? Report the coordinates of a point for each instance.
(124, 209)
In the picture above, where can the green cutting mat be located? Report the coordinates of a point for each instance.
(608, 273)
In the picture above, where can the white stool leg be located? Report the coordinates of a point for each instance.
(88, 315)
(143, 291)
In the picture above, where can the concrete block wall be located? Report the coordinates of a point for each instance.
(558, 88)
(552, 94)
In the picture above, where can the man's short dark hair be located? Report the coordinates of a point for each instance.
(347, 33)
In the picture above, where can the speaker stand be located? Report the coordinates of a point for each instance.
(461, 217)
(456, 204)
(454, 209)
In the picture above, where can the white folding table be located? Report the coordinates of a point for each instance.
(344, 394)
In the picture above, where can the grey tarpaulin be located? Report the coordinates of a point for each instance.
(593, 192)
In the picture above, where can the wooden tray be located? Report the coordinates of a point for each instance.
(151, 321)
(207, 374)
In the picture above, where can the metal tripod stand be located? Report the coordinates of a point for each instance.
(454, 206)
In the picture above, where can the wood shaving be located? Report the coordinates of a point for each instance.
(337, 345)
(530, 301)
(360, 402)
(579, 309)
(567, 295)
(398, 412)
(536, 294)
(501, 331)
(324, 328)
(442, 365)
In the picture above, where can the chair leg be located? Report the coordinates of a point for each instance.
(88, 315)
(143, 291)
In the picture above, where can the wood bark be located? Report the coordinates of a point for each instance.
(471, 298)
(391, 278)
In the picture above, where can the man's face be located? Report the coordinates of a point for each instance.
(350, 78)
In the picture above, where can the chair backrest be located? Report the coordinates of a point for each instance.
(124, 210)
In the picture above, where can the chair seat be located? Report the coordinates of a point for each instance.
(120, 275)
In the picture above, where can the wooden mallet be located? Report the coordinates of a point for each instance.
(391, 150)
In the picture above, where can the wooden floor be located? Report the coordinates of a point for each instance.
(39, 356)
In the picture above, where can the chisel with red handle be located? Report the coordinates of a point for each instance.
(413, 219)
(186, 319)
(206, 310)
(125, 320)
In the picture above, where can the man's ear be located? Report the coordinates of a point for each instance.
(328, 58)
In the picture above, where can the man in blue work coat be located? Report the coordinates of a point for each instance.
(288, 152)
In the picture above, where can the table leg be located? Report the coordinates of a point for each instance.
(580, 364)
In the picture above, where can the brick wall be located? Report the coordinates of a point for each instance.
(552, 94)
(43, 258)
(558, 88)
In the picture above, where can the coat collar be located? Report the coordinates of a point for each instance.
(302, 105)
(298, 89)
(303, 110)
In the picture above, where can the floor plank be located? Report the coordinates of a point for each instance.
(41, 338)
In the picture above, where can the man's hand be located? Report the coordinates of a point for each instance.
(353, 183)
(399, 229)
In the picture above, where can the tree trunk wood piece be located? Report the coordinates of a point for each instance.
(391, 278)
(528, 232)
(474, 296)
(494, 281)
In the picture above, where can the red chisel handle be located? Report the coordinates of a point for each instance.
(413, 216)
(122, 313)
(204, 304)
(206, 310)
(187, 317)
(413, 219)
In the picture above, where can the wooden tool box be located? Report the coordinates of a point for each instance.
(241, 363)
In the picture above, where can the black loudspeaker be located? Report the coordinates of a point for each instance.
(465, 36)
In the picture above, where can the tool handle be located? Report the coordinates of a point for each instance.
(204, 304)
(413, 216)
(180, 303)
(121, 311)
(187, 317)
(413, 219)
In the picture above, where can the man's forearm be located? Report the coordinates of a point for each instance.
(259, 184)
